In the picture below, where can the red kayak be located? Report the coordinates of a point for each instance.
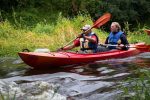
(55, 59)
(148, 32)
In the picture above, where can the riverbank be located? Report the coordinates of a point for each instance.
(52, 35)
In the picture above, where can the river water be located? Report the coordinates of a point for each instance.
(94, 81)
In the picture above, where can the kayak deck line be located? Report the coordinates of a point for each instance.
(64, 53)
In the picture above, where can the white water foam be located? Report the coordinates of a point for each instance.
(30, 91)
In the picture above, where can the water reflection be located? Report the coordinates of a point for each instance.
(10, 66)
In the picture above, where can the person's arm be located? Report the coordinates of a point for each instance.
(75, 43)
(69, 47)
(106, 41)
(124, 40)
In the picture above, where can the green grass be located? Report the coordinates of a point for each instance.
(47, 33)
(43, 35)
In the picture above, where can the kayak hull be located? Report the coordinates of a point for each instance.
(55, 59)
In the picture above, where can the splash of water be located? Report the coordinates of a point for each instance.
(38, 90)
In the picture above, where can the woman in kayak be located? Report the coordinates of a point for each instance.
(88, 41)
(115, 40)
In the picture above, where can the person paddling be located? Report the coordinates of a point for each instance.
(116, 37)
(88, 41)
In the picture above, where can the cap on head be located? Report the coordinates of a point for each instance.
(86, 27)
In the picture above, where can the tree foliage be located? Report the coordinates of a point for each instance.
(131, 11)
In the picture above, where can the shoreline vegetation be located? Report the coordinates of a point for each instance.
(51, 24)
(15, 37)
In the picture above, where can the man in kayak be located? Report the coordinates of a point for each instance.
(88, 41)
(115, 40)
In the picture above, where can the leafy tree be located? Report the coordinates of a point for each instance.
(132, 11)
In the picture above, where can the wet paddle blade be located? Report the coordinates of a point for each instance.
(102, 20)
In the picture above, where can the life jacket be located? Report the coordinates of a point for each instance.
(114, 38)
(87, 45)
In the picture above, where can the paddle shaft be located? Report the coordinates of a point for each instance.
(127, 46)
(77, 37)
